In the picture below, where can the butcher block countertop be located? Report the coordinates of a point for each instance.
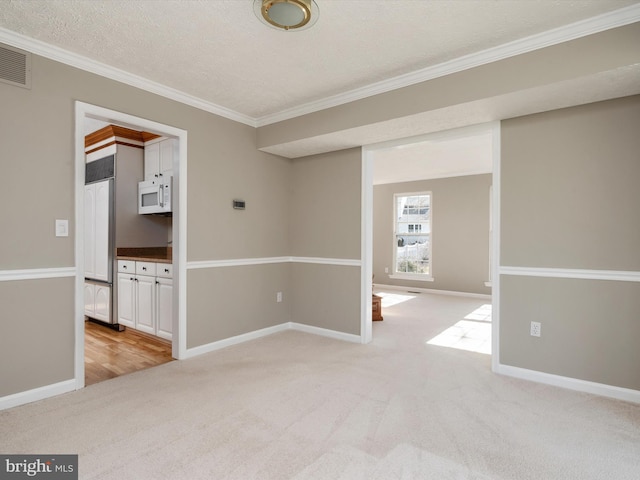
(146, 254)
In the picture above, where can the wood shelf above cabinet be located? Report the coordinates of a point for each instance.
(114, 134)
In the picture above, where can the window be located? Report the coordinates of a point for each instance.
(412, 236)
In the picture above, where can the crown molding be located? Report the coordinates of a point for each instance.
(583, 28)
(72, 59)
(600, 23)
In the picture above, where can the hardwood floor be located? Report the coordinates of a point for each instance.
(109, 354)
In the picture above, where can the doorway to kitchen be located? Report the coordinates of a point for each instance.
(109, 353)
(135, 348)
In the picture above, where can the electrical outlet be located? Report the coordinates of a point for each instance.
(279, 297)
(536, 329)
(386, 269)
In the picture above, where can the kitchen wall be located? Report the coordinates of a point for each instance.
(569, 206)
(132, 229)
(460, 225)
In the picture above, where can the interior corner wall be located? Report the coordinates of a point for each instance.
(460, 224)
(325, 215)
(37, 129)
(569, 209)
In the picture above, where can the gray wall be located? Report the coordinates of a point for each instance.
(37, 139)
(460, 223)
(569, 200)
(37, 142)
(37, 333)
(325, 223)
(224, 302)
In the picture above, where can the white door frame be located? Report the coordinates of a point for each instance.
(85, 110)
(366, 333)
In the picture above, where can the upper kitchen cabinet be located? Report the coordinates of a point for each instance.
(158, 158)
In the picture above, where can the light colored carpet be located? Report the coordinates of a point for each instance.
(299, 406)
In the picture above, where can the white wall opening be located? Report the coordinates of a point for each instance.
(368, 154)
(85, 112)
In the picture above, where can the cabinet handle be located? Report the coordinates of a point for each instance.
(166, 270)
(144, 269)
(157, 282)
(131, 279)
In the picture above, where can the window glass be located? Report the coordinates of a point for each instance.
(413, 234)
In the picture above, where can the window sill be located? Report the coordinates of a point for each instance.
(414, 277)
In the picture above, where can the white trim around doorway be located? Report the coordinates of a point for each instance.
(367, 230)
(179, 240)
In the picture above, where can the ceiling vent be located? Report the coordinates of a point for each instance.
(15, 66)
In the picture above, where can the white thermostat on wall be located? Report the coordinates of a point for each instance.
(238, 204)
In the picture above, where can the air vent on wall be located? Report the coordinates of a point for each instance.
(15, 66)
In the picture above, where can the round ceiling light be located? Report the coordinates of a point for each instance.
(287, 14)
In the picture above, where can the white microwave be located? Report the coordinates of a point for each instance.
(154, 196)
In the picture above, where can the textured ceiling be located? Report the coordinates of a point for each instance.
(217, 53)
(217, 50)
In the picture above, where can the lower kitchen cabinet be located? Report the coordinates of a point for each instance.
(97, 301)
(145, 301)
(145, 304)
(164, 312)
(126, 299)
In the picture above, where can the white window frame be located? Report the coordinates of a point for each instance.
(423, 277)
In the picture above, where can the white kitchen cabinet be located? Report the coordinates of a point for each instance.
(164, 311)
(97, 209)
(97, 301)
(145, 304)
(145, 300)
(158, 158)
(89, 299)
(126, 299)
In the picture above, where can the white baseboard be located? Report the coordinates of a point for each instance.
(36, 394)
(227, 342)
(404, 288)
(47, 391)
(324, 332)
(610, 391)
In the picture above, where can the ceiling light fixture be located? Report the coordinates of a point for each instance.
(287, 14)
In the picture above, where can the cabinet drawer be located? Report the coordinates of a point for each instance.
(164, 270)
(126, 266)
(146, 268)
